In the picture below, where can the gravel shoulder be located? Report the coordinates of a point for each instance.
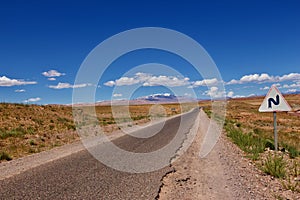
(224, 174)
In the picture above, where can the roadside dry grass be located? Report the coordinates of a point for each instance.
(27, 129)
(252, 131)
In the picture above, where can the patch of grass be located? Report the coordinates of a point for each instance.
(275, 166)
(247, 142)
(295, 169)
(278, 197)
(32, 143)
(11, 133)
(5, 156)
(63, 120)
(290, 185)
(293, 152)
(30, 130)
(258, 131)
(207, 111)
(71, 127)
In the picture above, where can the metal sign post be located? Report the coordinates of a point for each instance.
(275, 132)
(274, 102)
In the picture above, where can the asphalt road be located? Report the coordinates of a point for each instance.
(81, 176)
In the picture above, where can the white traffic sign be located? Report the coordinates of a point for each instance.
(274, 102)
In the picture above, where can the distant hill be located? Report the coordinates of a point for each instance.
(151, 99)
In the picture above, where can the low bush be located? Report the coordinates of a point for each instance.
(249, 143)
(275, 166)
(5, 156)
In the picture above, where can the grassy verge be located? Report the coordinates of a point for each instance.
(252, 132)
(250, 143)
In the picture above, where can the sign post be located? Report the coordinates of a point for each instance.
(274, 102)
(275, 131)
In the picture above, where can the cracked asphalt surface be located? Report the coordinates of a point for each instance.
(81, 176)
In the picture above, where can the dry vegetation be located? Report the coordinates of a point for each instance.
(27, 129)
(245, 111)
(252, 131)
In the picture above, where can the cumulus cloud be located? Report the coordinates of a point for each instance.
(263, 78)
(53, 73)
(230, 94)
(294, 85)
(110, 83)
(291, 90)
(243, 96)
(290, 77)
(252, 78)
(7, 82)
(117, 95)
(168, 81)
(162, 80)
(32, 100)
(149, 80)
(214, 92)
(126, 81)
(52, 79)
(264, 88)
(68, 85)
(205, 82)
(21, 90)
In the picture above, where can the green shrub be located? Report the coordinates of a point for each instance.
(249, 143)
(32, 143)
(293, 152)
(270, 144)
(275, 166)
(10, 133)
(5, 156)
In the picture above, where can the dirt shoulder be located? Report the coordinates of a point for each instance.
(224, 174)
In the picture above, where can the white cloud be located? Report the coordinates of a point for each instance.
(252, 78)
(117, 95)
(52, 79)
(265, 88)
(53, 73)
(205, 82)
(143, 76)
(32, 100)
(110, 83)
(263, 78)
(68, 85)
(168, 81)
(242, 96)
(291, 90)
(230, 94)
(126, 81)
(238, 96)
(22, 90)
(214, 92)
(294, 85)
(290, 77)
(149, 80)
(7, 82)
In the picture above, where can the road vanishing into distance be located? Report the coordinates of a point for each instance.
(81, 176)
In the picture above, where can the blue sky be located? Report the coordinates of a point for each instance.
(43, 43)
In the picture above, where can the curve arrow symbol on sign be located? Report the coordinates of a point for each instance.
(271, 100)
